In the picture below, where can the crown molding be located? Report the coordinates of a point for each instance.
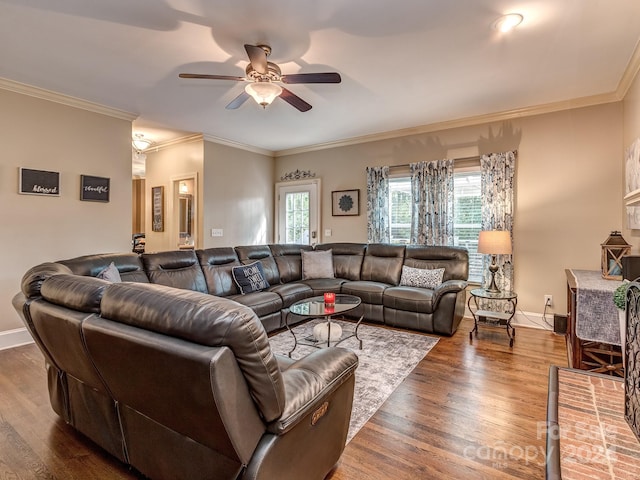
(461, 122)
(176, 141)
(630, 73)
(51, 96)
(241, 146)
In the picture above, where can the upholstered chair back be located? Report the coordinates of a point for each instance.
(178, 269)
(251, 253)
(454, 260)
(216, 264)
(289, 260)
(383, 263)
(211, 367)
(129, 265)
(347, 258)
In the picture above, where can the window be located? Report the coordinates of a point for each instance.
(297, 217)
(467, 218)
(467, 215)
(400, 209)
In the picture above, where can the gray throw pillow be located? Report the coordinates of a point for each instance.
(110, 273)
(421, 277)
(250, 278)
(317, 264)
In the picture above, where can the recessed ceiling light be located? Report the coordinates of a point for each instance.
(508, 22)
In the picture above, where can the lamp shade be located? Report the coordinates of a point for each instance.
(494, 242)
(263, 92)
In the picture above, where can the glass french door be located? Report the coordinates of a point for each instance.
(298, 212)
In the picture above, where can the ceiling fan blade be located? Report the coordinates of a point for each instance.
(331, 77)
(211, 77)
(257, 57)
(238, 101)
(294, 100)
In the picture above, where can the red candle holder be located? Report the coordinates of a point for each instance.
(329, 308)
(329, 298)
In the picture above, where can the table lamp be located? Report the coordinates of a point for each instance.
(494, 242)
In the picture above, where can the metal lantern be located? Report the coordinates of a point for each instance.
(613, 249)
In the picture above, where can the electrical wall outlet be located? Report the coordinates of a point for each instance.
(548, 300)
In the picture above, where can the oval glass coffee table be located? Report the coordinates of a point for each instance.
(315, 307)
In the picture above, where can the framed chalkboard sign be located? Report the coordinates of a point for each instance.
(94, 189)
(38, 182)
(157, 209)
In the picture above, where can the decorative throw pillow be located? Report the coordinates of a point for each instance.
(110, 274)
(421, 277)
(317, 264)
(250, 278)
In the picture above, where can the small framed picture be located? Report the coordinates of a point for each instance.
(157, 209)
(345, 202)
(94, 189)
(38, 182)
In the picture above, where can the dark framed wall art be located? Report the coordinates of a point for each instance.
(38, 182)
(157, 209)
(345, 202)
(94, 189)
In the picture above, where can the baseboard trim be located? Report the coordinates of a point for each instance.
(15, 338)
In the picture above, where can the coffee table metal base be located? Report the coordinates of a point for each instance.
(310, 341)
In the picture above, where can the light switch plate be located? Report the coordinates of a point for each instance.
(216, 232)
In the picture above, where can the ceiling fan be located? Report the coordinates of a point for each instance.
(263, 76)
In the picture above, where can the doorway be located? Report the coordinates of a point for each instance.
(298, 212)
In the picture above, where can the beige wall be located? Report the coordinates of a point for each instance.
(43, 135)
(238, 196)
(631, 133)
(163, 168)
(568, 191)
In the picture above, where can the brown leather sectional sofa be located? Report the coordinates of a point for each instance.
(171, 370)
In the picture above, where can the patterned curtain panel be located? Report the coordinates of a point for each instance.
(378, 228)
(497, 182)
(432, 209)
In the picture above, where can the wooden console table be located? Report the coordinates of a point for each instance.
(591, 354)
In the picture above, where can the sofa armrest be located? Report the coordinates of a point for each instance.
(453, 286)
(309, 381)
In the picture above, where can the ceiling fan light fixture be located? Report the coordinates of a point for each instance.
(508, 22)
(139, 143)
(263, 92)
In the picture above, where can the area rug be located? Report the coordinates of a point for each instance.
(386, 358)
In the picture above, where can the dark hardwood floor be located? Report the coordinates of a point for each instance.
(468, 411)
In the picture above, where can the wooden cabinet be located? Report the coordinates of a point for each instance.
(597, 357)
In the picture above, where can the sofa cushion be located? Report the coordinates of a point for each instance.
(178, 269)
(322, 285)
(288, 260)
(262, 303)
(455, 260)
(249, 278)
(74, 291)
(421, 277)
(129, 265)
(369, 292)
(411, 299)
(318, 264)
(383, 263)
(216, 264)
(347, 258)
(250, 253)
(292, 292)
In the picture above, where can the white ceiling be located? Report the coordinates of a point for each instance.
(405, 63)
